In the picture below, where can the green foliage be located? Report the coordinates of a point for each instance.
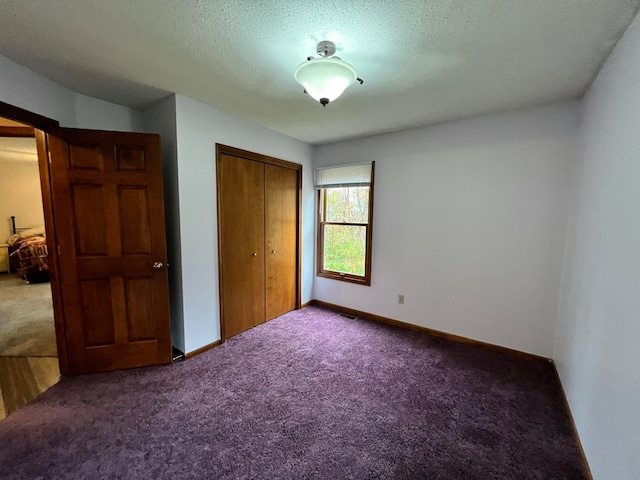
(348, 205)
(344, 248)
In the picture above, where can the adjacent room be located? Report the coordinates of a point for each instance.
(320, 239)
(28, 351)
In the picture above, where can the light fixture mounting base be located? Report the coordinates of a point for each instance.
(326, 48)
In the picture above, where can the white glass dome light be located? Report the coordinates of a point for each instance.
(327, 77)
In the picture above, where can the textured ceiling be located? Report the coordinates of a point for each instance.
(423, 62)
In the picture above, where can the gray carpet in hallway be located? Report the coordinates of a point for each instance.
(26, 319)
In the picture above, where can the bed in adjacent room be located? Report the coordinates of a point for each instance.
(28, 253)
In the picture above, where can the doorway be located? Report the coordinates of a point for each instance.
(106, 250)
(28, 349)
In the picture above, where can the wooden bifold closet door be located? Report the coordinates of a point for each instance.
(258, 227)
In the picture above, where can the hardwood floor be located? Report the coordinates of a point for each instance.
(26, 329)
(24, 378)
(3, 412)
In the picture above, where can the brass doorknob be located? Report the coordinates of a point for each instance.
(158, 265)
(273, 251)
(254, 254)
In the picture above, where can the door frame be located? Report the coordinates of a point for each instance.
(41, 126)
(257, 157)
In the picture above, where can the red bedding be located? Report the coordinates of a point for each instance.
(29, 255)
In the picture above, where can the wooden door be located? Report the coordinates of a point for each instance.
(281, 233)
(109, 222)
(241, 230)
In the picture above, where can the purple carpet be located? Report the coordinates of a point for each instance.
(307, 395)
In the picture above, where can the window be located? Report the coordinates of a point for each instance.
(345, 214)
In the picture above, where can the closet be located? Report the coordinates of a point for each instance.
(258, 238)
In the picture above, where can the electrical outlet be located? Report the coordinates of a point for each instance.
(401, 299)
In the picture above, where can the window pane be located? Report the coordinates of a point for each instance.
(344, 248)
(348, 204)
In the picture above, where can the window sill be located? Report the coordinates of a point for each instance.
(345, 278)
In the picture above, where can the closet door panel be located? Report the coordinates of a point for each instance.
(281, 232)
(242, 256)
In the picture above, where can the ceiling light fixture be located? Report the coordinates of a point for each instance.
(325, 78)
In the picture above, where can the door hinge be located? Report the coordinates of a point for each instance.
(49, 156)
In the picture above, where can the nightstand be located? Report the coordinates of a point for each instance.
(4, 258)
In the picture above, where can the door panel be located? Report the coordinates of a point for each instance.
(134, 220)
(99, 327)
(90, 225)
(281, 237)
(139, 298)
(109, 218)
(241, 229)
(131, 158)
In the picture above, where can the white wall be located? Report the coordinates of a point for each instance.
(469, 224)
(23, 88)
(30, 91)
(97, 114)
(161, 118)
(597, 347)
(199, 128)
(20, 194)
